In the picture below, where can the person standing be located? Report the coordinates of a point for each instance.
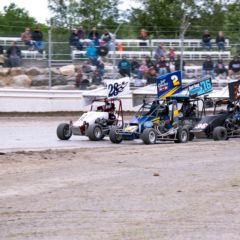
(144, 37)
(14, 55)
(159, 52)
(94, 36)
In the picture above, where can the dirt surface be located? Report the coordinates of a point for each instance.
(133, 192)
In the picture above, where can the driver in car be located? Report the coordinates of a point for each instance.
(165, 119)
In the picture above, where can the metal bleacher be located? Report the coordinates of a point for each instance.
(192, 49)
(26, 54)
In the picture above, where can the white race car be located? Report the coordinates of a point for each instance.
(96, 124)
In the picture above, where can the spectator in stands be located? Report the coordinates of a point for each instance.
(134, 63)
(234, 66)
(159, 52)
(220, 68)
(2, 58)
(177, 64)
(37, 37)
(208, 67)
(80, 32)
(163, 66)
(124, 67)
(91, 53)
(107, 38)
(74, 40)
(26, 37)
(14, 55)
(206, 40)
(79, 77)
(150, 63)
(152, 75)
(94, 36)
(171, 54)
(220, 41)
(144, 69)
(144, 37)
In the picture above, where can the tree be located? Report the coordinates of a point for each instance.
(14, 20)
(70, 13)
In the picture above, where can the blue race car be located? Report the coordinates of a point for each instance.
(153, 122)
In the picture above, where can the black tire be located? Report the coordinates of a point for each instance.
(220, 133)
(114, 136)
(191, 135)
(63, 131)
(94, 132)
(182, 135)
(149, 136)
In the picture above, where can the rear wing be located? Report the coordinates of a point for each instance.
(194, 89)
(169, 84)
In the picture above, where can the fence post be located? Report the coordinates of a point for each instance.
(49, 57)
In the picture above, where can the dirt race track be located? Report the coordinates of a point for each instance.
(131, 192)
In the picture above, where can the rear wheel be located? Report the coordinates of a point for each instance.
(94, 132)
(190, 134)
(182, 135)
(220, 133)
(114, 136)
(63, 131)
(149, 136)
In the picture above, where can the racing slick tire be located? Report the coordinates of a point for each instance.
(114, 136)
(191, 135)
(94, 132)
(220, 133)
(182, 135)
(149, 136)
(63, 131)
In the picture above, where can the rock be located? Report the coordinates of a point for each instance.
(21, 81)
(43, 80)
(4, 71)
(55, 71)
(5, 80)
(40, 80)
(68, 70)
(33, 71)
(16, 71)
(70, 79)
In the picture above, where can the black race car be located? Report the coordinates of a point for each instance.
(223, 124)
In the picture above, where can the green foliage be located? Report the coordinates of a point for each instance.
(71, 13)
(13, 20)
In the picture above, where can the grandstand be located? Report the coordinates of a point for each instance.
(193, 52)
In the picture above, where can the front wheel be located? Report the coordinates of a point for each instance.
(149, 136)
(182, 135)
(114, 136)
(220, 134)
(94, 132)
(64, 131)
